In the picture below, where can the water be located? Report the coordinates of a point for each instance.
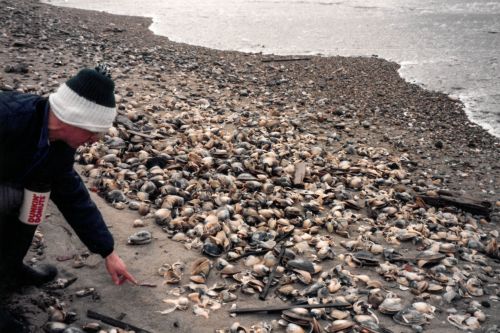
(450, 46)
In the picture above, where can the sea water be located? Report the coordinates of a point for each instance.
(450, 46)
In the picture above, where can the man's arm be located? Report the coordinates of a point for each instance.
(73, 200)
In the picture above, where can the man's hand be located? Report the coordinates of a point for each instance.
(117, 269)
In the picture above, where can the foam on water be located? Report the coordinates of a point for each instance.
(448, 46)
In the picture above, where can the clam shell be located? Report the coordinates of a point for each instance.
(366, 258)
(237, 328)
(409, 317)
(473, 323)
(429, 257)
(376, 248)
(138, 223)
(201, 266)
(303, 276)
(364, 319)
(212, 249)
(288, 290)
(139, 238)
(301, 264)
(260, 270)
(458, 321)
(423, 307)
(391, 305)
(294, 328)
(339, 325)
(480, 315)
(199, 311)
(163, 216)
(230, 269)
(356, 183)
(338, 314)
(474, 287)
(334, 286)
(54, 327)
(375, 298)
(56, 315)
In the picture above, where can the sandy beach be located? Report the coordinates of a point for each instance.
(345, 105)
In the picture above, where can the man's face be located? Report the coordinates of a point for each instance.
(75, 136)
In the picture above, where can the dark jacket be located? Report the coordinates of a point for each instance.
(26, 155)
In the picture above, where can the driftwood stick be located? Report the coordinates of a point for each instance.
(264, 292)
(115, 322)
(338, 70)
(279, 308)
(470, 205)
(285, 59)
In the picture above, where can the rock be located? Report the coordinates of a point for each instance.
(19, 43)
(21, 68)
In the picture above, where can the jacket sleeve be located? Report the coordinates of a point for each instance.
(73, 200)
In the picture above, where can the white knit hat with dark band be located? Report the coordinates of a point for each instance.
(87, 100)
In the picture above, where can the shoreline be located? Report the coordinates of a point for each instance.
(343, 104)
(475, 114)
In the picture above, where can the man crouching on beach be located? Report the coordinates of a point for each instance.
(38, 139)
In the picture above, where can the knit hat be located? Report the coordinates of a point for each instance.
(87, 100)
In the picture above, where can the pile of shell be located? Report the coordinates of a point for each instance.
(229, 184)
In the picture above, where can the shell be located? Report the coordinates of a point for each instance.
(339, 325)
(163, 216)
(391, 305)
(139, 238)
(54, 327)
(423, 307)
(237, 328)
(201, 266)
(293, 328)
(409, 317)
(366, 258)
